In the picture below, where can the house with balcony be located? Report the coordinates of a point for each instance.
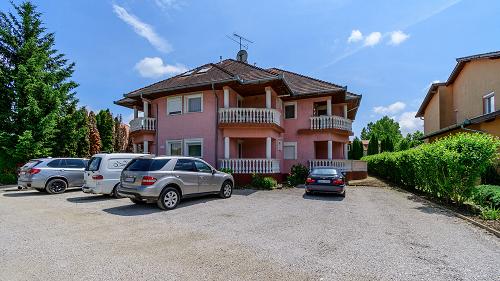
(251, 120)
(467, 101)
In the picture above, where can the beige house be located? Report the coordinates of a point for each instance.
(467, 101)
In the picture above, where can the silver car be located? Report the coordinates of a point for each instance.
(166, 180)
(53, 175)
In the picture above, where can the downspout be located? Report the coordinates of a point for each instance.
(157, 133)
(216, 126)
(467, 122)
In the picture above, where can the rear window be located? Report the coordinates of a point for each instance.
(146, 164)
(54, 163)
(94, 164)
(30, 164)
(324, 171)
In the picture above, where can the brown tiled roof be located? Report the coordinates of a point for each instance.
(303, 85)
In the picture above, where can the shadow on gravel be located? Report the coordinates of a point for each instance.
(89, 198)
(27, 193)
(244, 192)
(427, 207)
(323, 197)
(151, 208)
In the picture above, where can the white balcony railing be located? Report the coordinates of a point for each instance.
(249, 115)
(341, 164)
(143, 123)
(331, 122)
(248, 166)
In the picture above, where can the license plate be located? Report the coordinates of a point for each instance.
(129, 179)
(323, 181)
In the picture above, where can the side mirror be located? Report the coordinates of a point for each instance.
(344, 174)
(214, 171)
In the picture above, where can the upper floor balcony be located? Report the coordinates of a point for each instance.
(330, 122)
(250, 115)
(142, 124)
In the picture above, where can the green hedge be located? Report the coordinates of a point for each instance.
(487, 195)
(447, 169)
(260, 182)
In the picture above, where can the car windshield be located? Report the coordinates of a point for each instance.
(94, 164)
(140, 164)
(324, 171)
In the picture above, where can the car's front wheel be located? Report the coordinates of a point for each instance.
(169, 199)
(56, 186)
(226, 190)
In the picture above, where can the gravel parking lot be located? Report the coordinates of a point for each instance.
(372, 234)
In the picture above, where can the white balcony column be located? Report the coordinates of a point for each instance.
(330, 150)
(226, 147)
(134, 147)
(136, 112)
(268, 147)
(329, 107)
(146, 108)
(345, 111)
(226, 97)
(346, 151)
(268, 97)
(146, 146)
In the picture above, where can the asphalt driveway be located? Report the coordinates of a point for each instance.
(372, 234)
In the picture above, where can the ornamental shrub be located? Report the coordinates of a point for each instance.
(487, 195)
(298, 175)
(260, 182)
(226, 170)
(447, 169)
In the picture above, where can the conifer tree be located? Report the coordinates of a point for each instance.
(94, 138)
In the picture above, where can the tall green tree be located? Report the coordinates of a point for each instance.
(73, 128)
(106, 126)
(35, 87)
(373, 145)
(356, 149)
(385, 127)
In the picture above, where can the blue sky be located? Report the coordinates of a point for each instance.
(388, 51)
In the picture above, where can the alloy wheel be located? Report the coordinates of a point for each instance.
(227, 189)
(170, 199)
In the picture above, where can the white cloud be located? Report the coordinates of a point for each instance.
(154, 68)
(398, 37)
(373, 38)
(390, 109)
(143, 29)
(356, 36)
(168, 4)
(409, 124)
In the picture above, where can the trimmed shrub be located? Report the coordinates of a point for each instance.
(226, 170)
(260, 182)
(487, 196)
(8, 178)
(447, 169)
(298, 175)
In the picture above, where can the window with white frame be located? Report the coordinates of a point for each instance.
(290, 110)
(290, 150)
(193, 147)
(194, 103)
(174, 147)
(489, 103)
(174, 105)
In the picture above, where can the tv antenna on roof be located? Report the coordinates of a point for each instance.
(242, 54)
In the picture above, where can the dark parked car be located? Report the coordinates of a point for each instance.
(325, 180)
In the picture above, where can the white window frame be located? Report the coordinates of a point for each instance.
(168, 151)
(168, 108)
(294, 103)
(191, 141)
(186, 102)
(294, 144)
(487, 97)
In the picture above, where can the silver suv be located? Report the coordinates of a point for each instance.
(166, 180)
(53, 175)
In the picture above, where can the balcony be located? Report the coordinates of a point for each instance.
(249, 166)
(249, 116)
(330, 122)
(142, 124)
(340, 164)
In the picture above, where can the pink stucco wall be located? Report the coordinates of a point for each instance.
(203, 125)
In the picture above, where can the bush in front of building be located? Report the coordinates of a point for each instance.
(261, 182)
(447, 169)
(298, 175)
(226, 170)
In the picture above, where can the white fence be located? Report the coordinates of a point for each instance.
(342, 165)
(143, 123)
(248, 166)
(331, 122)
(249, 115)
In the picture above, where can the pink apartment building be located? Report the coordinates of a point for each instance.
(252, 120)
